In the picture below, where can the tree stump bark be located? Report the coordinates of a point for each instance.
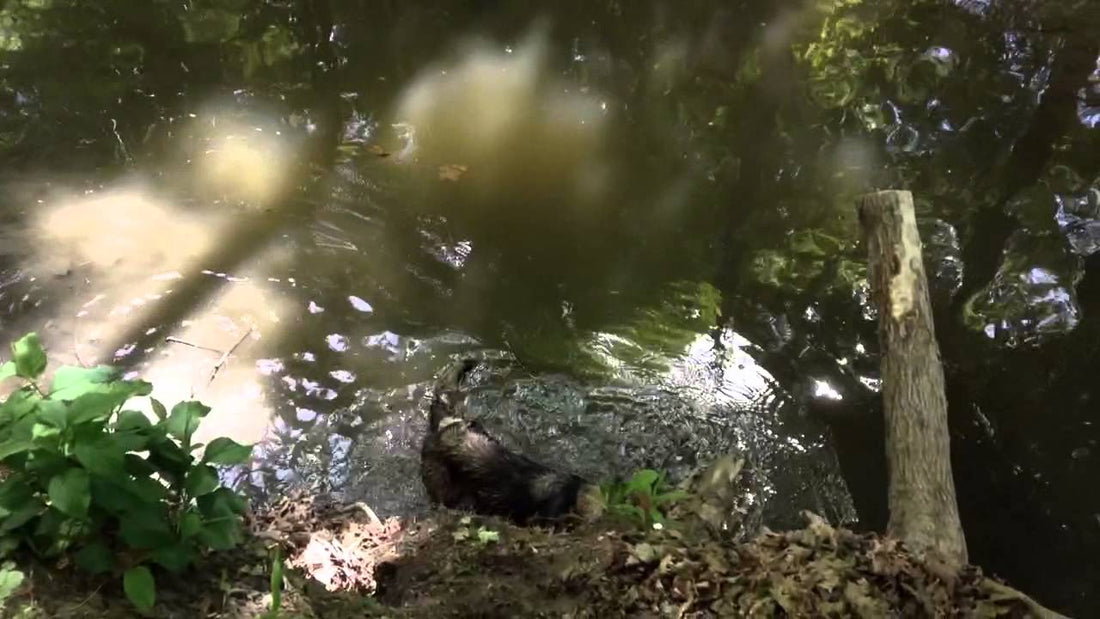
(923, 508)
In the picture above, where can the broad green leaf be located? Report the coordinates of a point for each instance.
(14, 491)
(95, 558)
(140, 588)
(138, 466)
(175, 558)
(8, 545)
(132, 421)
(221, 534)
(169, 459)
(201, 480)
(146, 528)
(46, 464)
(71, 493)
(69, 382)
(94, 406)
(7, 370)
(114, 496)
(9, 448)
(53, 412)
(185, 419)
(190, 524)
(19, 404)
(102, 456)
(148, 489)
(21, 515)
(29, 357)
(46, 437)
(221, 503)
(130, 441)
(56, 532)
(226, 451)
(10, 580)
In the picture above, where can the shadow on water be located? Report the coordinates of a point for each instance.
(638, 216)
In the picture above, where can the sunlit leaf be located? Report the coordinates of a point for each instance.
(70, 382)
(10, 580)
(7, 370)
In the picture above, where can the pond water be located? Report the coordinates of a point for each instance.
(639, 216)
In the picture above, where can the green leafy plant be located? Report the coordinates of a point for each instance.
(641, 500)
(83, 475)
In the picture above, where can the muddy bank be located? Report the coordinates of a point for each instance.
(343, 561)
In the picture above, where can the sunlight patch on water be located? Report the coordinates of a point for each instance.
(502, 115)
(246, 164)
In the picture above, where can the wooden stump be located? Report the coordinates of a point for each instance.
(923, 508)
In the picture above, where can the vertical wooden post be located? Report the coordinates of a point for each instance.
(923, 508)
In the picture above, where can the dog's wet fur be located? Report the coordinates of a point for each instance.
(465, 468)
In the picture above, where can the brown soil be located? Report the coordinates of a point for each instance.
(348, 563)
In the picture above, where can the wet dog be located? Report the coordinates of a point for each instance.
(465, 468)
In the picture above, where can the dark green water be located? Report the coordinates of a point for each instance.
(639, 214)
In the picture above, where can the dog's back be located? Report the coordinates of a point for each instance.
(463, 467)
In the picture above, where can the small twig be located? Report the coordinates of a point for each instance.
(225, 357)
(175, 340)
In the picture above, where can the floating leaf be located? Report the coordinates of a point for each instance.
(226, 451)
(28, 356)
(70, 492)
(140, 587)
